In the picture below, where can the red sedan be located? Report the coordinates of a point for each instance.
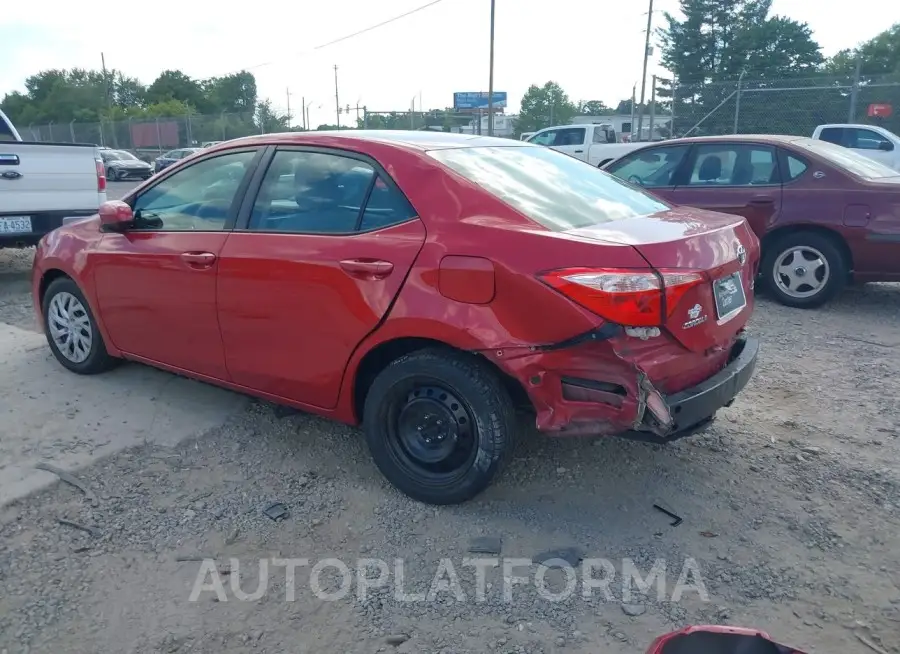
(423, 285)
(825, 214)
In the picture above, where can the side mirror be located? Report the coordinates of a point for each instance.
(115, 215)
(885, 146)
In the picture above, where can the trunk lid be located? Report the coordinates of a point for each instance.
(709, 314)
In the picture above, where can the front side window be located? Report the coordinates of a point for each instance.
(734, 165)
(196, 198)
(570, 136)
(319, 193)
(866, 139)
(549, 187)
(651, 168)
(544, 138)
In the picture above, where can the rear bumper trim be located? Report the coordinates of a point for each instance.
(694, 408)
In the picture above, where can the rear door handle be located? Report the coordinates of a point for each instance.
(579, 151)
(762, 200)
(367, 268)
(199, 259)
(11, 174)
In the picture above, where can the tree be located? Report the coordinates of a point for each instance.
(268, 120)
(232, 93)
(593, 108)
(879, 56)
(718, 42)
(175, 85)
(543, 106)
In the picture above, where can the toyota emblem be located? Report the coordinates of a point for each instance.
(741, 254)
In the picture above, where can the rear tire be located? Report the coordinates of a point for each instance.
(439, 425)
(804, 269)
(111, 175)
(71, 330)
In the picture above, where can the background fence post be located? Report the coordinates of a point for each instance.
(158, 138)
(72, 130)
(672, 112)
(854, 92)
(737, 102)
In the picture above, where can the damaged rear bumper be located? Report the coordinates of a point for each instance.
(693, 409)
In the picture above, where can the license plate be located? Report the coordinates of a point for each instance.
(15, 224)
(729, 294)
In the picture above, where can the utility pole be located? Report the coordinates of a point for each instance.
(491, 78)
(289, 107)
(108, 85)
(303, 110)
(337, 102)
(854, 92)
(644, 74)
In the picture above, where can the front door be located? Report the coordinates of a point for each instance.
(156, 283)
(311, 270)
(736, 178)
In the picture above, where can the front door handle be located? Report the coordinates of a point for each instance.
(762, 200)
(11, 174)
(367, 268)
(199, 259)
(579, 151)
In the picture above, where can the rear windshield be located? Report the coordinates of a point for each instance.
(853, 162)
(551, 188)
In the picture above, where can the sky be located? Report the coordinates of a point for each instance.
(592, 48)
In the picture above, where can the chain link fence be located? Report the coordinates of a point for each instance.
(149, 137)
(784, 106)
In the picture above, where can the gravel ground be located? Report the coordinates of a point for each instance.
(789, 505)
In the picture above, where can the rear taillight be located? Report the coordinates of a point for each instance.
(101, 176)
(636, 298)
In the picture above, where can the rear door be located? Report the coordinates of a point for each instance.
(870, 143)
(323, 244)
(737, 178)
(654, 169)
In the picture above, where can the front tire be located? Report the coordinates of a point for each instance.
(804, 269)
(439, 425)
(71, 330)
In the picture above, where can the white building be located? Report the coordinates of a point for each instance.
(504, 125)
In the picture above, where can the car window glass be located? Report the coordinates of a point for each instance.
(316, 193)
(650, 168)
(796, 167)
(195, 198)
(733, 165)
(544, 138)
(599, 135)
(6, 132)
(832, 135)
(571, 136)
(865, 139)
(552, 188)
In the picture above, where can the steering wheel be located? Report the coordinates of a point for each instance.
(634, 179)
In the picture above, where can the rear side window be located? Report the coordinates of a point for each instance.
(651, 168)
(796, 167)
(832, 135)
(549, 187)
(6, 133)
(320, 193)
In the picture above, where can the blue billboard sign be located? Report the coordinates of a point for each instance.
(478, 100)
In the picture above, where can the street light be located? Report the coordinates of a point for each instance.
(491, 78)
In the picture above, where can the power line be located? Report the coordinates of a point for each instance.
(354, 34)
(382, 24)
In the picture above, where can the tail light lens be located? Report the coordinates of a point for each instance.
(639, 298)
(101, 176)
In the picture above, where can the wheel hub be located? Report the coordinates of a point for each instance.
(800, 271)
(431, 424)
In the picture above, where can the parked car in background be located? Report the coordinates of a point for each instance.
(209, 144)
(422, 284)
(594, 144)
(825, 214)
(122, 166)
(870, 141)
(170, 157)
(524, 136)
(43, 185)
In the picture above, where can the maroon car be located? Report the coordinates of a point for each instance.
(825, 214)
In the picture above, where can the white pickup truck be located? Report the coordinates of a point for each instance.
(43, 185)
(871, 141)
(595, 144)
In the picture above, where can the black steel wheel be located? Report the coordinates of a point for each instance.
(439, 424)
